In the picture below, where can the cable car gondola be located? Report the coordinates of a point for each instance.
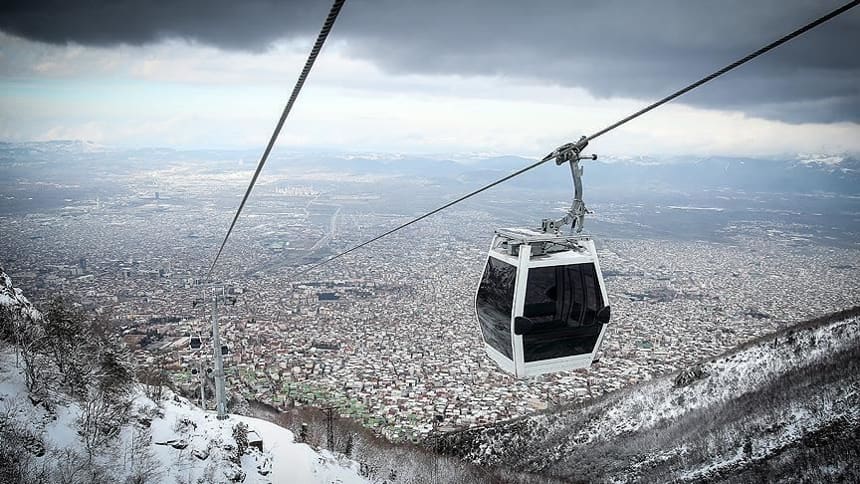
(541, 304)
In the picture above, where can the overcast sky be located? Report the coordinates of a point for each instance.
(483, 76)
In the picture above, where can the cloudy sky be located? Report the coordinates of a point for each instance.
(460, 76)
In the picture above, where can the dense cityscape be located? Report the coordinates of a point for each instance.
(388, 335)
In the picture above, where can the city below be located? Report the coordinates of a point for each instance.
(387, 334)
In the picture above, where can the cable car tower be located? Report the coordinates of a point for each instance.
(218, 350)
(541, 304)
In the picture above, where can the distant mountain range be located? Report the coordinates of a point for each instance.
(830, 174)
(800, 174)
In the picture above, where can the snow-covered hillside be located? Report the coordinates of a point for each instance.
(13, 300)
(173, 441)
(78, 431)
(793, 396)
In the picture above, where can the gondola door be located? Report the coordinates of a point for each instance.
(525, 254)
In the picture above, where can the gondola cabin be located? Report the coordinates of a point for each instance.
(541, 304)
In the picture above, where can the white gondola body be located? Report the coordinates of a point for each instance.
(567, 324)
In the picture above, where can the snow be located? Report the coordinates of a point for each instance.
(293, 462)
(658, 403)
(188, 444)
(11, 382)
(728, 378)
(283, 459)
(14, 300)
(61, 432)
(178, 421)
(820, 159)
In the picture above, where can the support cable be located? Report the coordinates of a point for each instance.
(749, 57)
(321, 38)
(605, 130)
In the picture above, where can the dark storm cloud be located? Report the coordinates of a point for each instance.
(611, 48)
(246, 25)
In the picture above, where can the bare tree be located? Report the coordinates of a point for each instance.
(101, 419)
(155, 376)
(25, 331)
(18, 447)
(71, 468)
(65, 333)
(30, 338)
(143, 466)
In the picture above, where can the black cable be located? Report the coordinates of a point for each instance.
(550, 156)
(751, 56)
(443, 207)
(605, 130)
(326, 28)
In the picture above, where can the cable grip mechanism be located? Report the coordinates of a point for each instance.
(575, 217)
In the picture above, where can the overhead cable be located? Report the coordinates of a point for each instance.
(743, 60)
(607, 129)
(321, 38)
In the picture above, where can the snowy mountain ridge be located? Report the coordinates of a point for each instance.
(736, 415)
(170, 441)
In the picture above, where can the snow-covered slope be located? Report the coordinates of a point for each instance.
(173, 441)
(13, 300)
(779, 399)
(59, 437)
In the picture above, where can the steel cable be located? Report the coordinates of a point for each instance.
(321, 38)
(605, 130)
(743, 60)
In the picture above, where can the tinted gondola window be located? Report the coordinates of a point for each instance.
(494, 303)
(562, 302)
